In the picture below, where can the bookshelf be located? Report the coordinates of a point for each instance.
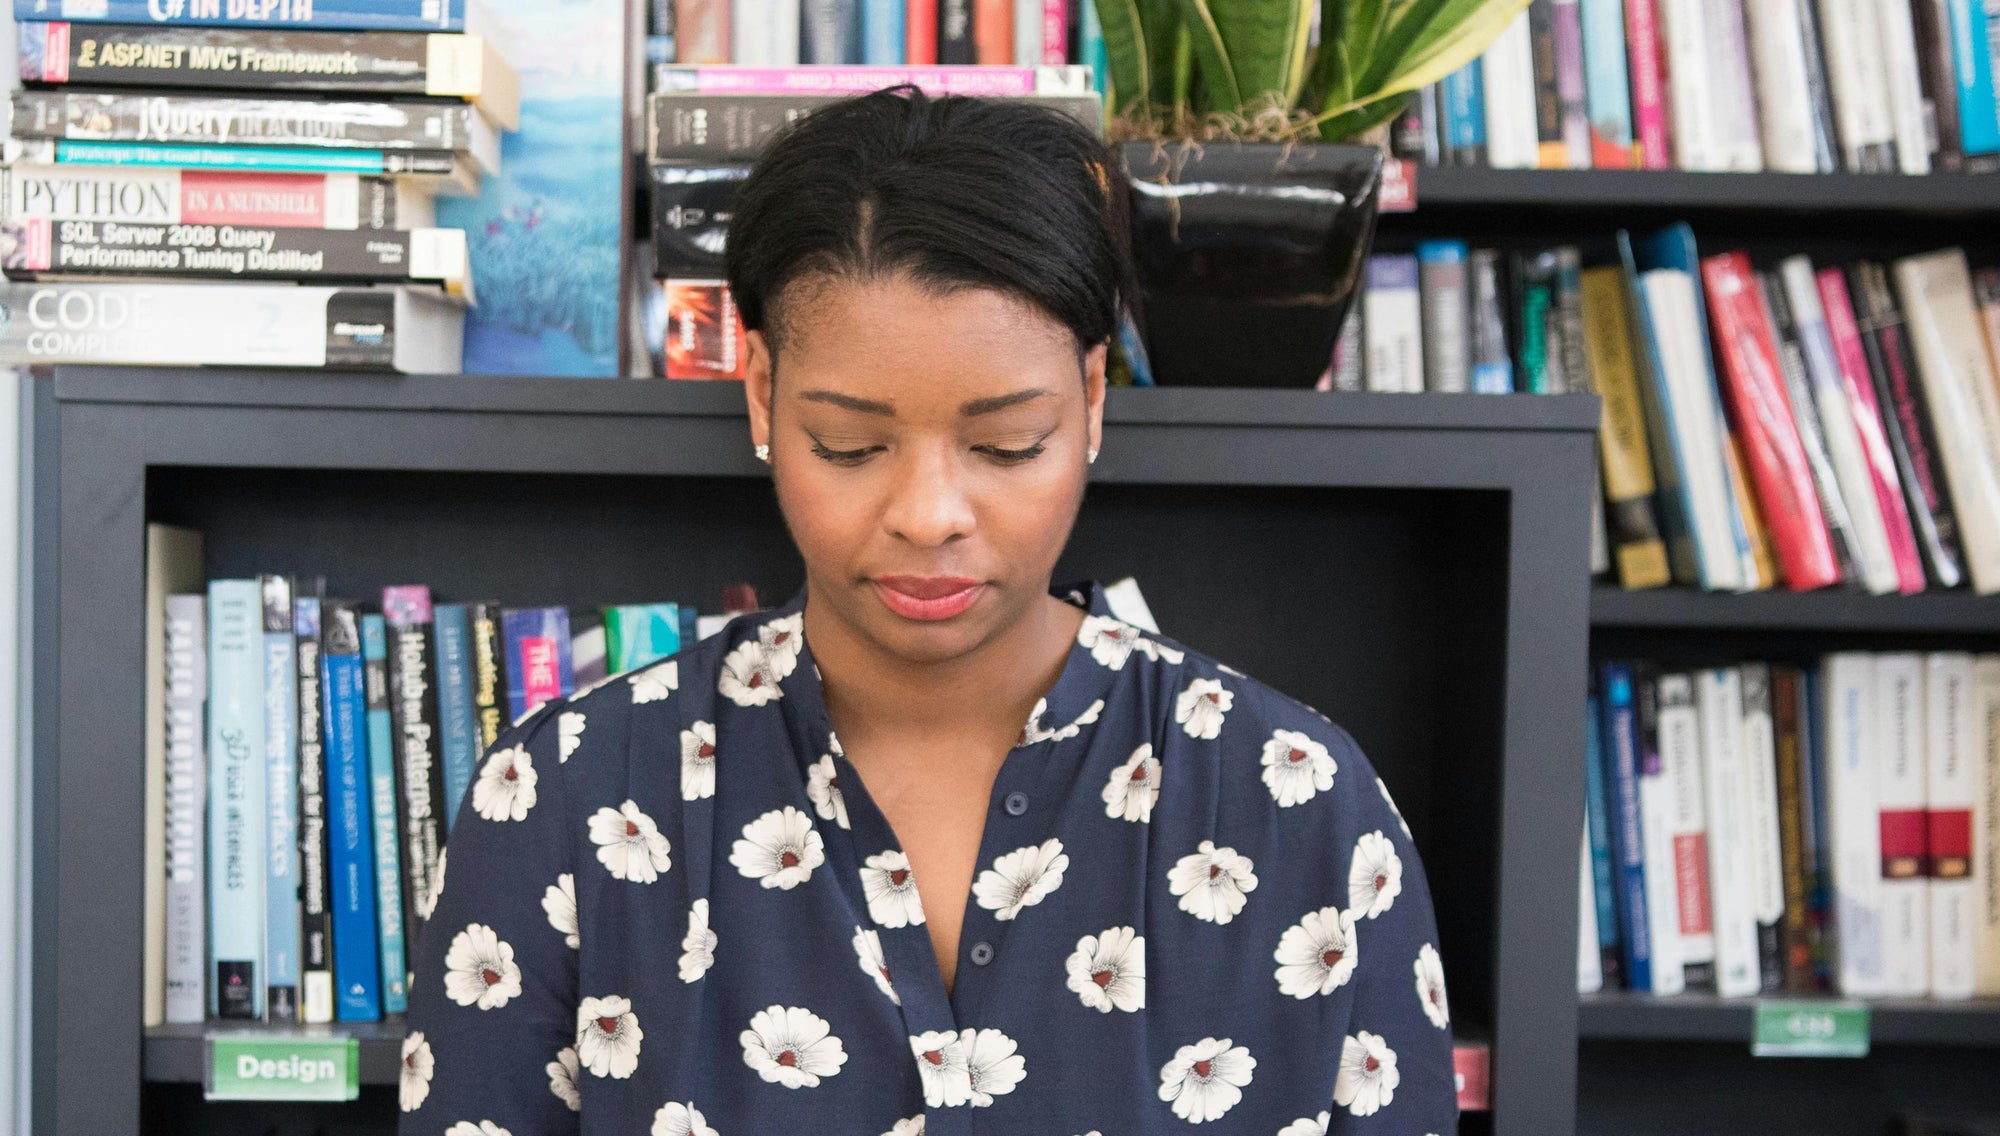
(1422, 547)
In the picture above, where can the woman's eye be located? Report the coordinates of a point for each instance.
(841, 457)
(1012, 457)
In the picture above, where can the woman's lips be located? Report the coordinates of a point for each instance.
(927, 597)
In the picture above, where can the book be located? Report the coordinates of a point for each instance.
(357, 967)
(882, 32)
(385, 328)
(1765, 873)
(1901, 795)
(236, 800)
(1688, 826)
(1805, 417)
(1589, 964)
(1492, 366)
(1823, 923)
(354, 15)
(173, 564)
(458, 725)
(1692, 84)
(1910, 113)
(762, 33)
(993, 31)
(281, 822)
(587, 660)
(1819, 88)
(1935, 67)
(1954, 746)
(489, 680)
(954, 31)
(413, 716)
(384, 814)
(1785, 112)
(1462, 95)
(830, 33)
(638, 634)
(1969, 26)
(38, 248)
(1646, 59)
(1657, 823)
(315, 905)
(153, 195)
(1986, 824)
(1633, 532)
(1857, 74)
(1446, 306)
(432, 171)
(1572, 107)
(686, 127)
(1392, 323)
(1607, 86)
(704, 335)
(1507, 73)
(1718, 696)
(1055, 29)
(1550, 152)
(538, 657)
(186, 823)
(1344, 373)
(1850, 761)
(940, 79)
(1623, 773)
(1600, 947)
(1851, 358)
(1735, 105)
(1790, 725)
(920, 32)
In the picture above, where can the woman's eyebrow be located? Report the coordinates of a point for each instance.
(980, 406)
(972, 409)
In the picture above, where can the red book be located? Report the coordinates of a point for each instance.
(1646, 55)
(1860, 387)
(993, 32)
(920, 32)
(1055, 30)
(1760, 410)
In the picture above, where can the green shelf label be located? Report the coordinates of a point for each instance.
(282, 1067)
(1810, 1029)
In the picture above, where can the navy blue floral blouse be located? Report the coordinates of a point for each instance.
(676, 910)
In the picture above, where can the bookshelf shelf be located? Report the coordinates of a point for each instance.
(1671, 190)
(175, 1053)
(1954, 612)
(1625, 1016)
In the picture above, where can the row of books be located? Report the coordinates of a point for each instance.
(189, 156)
(1793, 86)
(1766, 827)
(306, 757)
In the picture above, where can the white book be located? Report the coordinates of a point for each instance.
(1719, 702)
(1392, 326)
(1760, 770)
(1843, 438)
(1678, 328)
(1906, 91)
(1663, 905)
(1737, 143)
(1952, 737)
(1849, 754)
(764, 33)
(1901, 797)
(1986, 825)
(1691, 87)
(1851, 33)
(1027, 33)
(1784, 99)
(187, 809)
(1958, 383)
(173, 564)
(1589, 965)
(1680, 758)
(1507, 80)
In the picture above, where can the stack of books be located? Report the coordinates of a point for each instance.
(786, 33)
(266, 185)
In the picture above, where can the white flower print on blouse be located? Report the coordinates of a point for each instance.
(1374, 876)
(891, 890)
(1307, 1126)
(1212, 882)
(823, 787)
(792, 1046)
(698, 761)
(1035, 732)
(1405, 825)
(1200, 708)
(480, 969)
(941, 1068)
(779, 849)
(1132, 788)
(782, 640)
(608, 1036)
(569, 729)
(1021, 878)
(562, 1078)
(868, 953)
(1109, 641)
(629, 844)
(1430, 986)
(993, 1065)
(1206, 1079)
(1317, 954)
(506, 786)
(1367, 1079)
(483, 1128)
(677, 1119)
(1108, 970)
(747, 677)
(414, 1082)
(1296, 767)
(698, 945)
(908, 1126)
(559, 902)
(655, 682)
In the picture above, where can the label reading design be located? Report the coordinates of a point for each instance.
(282, 1067)
(1810, 1029)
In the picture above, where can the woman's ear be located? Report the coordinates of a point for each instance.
(757, 371)
(1093, 394)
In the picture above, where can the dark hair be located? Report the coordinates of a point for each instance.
(954, 191)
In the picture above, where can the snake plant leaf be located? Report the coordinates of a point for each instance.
(1166, 53)
(1211, 55)
(1125, 52)
(1429, 29)
(1360, 117)
(1361, 30)
(1266, 41)
(1332, 79)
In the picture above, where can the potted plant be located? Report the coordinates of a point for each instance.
(1252, 212)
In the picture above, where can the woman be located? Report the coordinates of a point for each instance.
(932, 848)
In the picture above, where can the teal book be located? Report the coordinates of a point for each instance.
(458, 727)
(637, 634)
(236, 799)
(382, 811)
(281, 800)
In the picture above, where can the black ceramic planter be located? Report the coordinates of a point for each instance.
(1248, 254)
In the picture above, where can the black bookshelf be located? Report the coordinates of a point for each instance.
(1938, 194)
(1957, 612)
(1425, 545)
(1623, 1016)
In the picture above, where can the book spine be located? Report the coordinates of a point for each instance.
(759, 33)
(882, 32)
(1972, 30)
(1756, 395)
(1852, 39)
(1645, 57)
(1901, 797)
(1911, 441)
(993, 32)
(1492, 367)
(1464, 107)
(830, 33)
(1788, 728)
(1692, 89)
(315, 910)
(357, 967)
(1819, 88)
(1952, 788)
(1762, 571)
(40, 247)
(1674, 502)
(1680, 744)
(1392, 324)
(1721, 539)
(1446, 305)
(1656, 825)
(1534, 289)
(281, 826)
(1817, 831)
(1719, 707)
(1028, 17)
(1589, 963)
(1853, 824)
(436, 168)
(1986, 824)
(693, 128)
(1860, 389)
(489, 679)
(702, 31)
(1784, 99)
(854, 79)
(458, 727)
(1621, 751)
(1348, 351)
(538, 657)
(1766, 868)
(1607, 86)
(186, 820)
(1550, 151)
(1805, 418)
(1571, 97)
(331, 15)
(920, 33)
(1507, 71)
(1600, 868)
(1055, 31)
(236, 799)
(413, 710)
(1738, 142)
(954, 22)
(384, 820)
(220, 120)
(149, 195)
(1937, 74)
(1909, 110)
(1637, 550)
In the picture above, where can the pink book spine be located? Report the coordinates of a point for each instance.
(1860, 388)
(939, 80)
(1649, 100)
(1055, 31)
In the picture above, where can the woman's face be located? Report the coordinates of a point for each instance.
(929, 454)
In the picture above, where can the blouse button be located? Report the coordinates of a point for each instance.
(982, 953)
(1016, 803)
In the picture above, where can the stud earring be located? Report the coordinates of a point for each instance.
(1093, 457)
(764, 453)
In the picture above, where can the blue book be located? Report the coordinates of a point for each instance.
(1091, 50)
(236, 799)
(830, 32)
(1607, 88)
(281, 823)
(1813, 840)
(1463, 99)
(1621, 755)
(319, 15)
(638, 634)
(544, 234)
(265, 159)
(690, 624)
(1973, 36)
(1601, 866)
(456, 723)
(382, 809)
(357, 966)
(882, 32)
(538, 656)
